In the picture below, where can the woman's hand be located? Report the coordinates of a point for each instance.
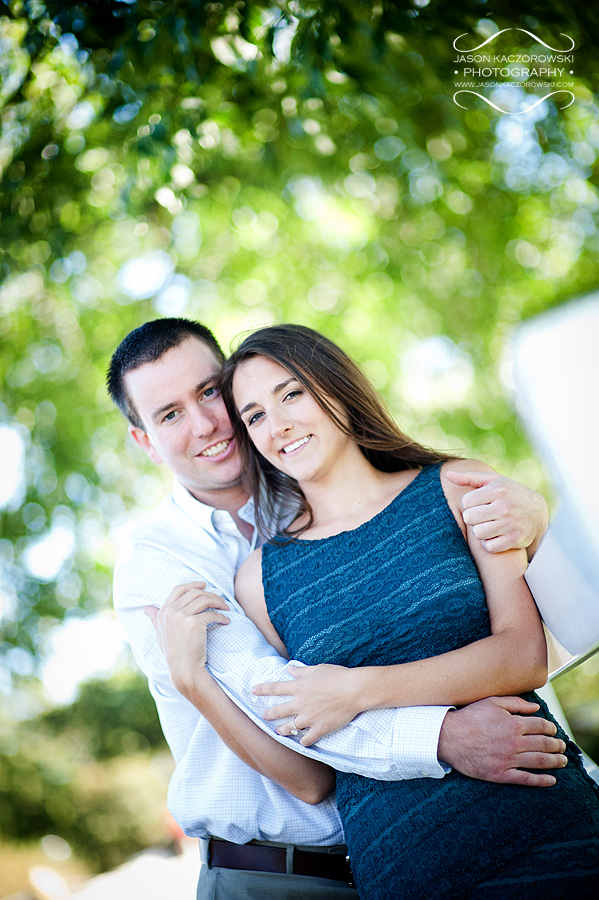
(324, 698)
(181, 627)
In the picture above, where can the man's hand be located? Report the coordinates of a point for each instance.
(503, 514)
(497, 739)
(323, 699)
(181, 626)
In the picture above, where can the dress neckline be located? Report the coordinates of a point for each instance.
(380, 513)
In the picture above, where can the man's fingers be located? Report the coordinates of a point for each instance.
(542, 744)
(519, 706)
(500, 544)
(486, 531)
(542, 761)
(529, 779)
(536, 725)
(470, 479)
(478, 515)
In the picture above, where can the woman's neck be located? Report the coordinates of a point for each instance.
(350, 493)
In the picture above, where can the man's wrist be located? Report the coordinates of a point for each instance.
(448, 739)
(542, 526)
(415, 738)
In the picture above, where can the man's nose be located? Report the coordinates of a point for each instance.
(203, 421)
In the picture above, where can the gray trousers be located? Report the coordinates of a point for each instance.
(240, 884)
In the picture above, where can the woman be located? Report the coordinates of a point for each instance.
(378, 569)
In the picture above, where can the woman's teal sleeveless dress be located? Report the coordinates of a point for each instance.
(403, 587)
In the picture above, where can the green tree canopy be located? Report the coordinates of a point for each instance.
(245, 162)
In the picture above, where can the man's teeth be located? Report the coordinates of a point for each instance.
(296, 444)
(215, 449)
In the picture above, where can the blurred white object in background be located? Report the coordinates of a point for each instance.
(555, 371)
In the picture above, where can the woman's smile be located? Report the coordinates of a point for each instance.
(295, 445)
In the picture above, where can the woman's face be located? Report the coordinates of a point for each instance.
(284, 421)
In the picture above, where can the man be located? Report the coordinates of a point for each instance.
(164, 378)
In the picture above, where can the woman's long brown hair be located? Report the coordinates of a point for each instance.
(331, 377)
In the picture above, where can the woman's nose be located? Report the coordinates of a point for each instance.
(279, 424)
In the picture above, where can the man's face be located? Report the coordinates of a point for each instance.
(186, 425)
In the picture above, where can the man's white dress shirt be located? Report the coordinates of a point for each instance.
(212, 792)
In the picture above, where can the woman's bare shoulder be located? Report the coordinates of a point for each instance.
(251, 569)
(248, 581)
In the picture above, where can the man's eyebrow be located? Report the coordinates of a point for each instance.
(275, 390)
(167, 406)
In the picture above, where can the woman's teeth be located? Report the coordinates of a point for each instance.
(296, 444)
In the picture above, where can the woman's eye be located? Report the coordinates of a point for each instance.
(254, 418)
(292, 394)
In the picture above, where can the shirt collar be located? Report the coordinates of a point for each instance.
(205, 515)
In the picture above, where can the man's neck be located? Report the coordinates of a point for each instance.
(229, 500)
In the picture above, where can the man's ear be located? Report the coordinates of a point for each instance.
(142, 439)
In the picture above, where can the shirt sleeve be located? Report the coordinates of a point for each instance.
(386, 744)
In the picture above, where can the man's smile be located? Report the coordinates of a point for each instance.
(217, 449)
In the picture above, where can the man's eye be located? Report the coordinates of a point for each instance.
(170, 416)
(210, 393)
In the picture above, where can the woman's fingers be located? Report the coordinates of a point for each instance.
(212, 616)
(279, 712)
(204, 601)
(309, 734)
(273, 688)
(294, 724)
(181, 589)
(193, 600)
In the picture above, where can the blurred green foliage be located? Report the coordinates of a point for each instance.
(250, 162)
(94, 773)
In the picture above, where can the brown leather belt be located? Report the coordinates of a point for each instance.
(264, 858)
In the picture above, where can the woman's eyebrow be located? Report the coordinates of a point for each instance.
(275, 390)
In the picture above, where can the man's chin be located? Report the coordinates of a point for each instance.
(221, 479)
